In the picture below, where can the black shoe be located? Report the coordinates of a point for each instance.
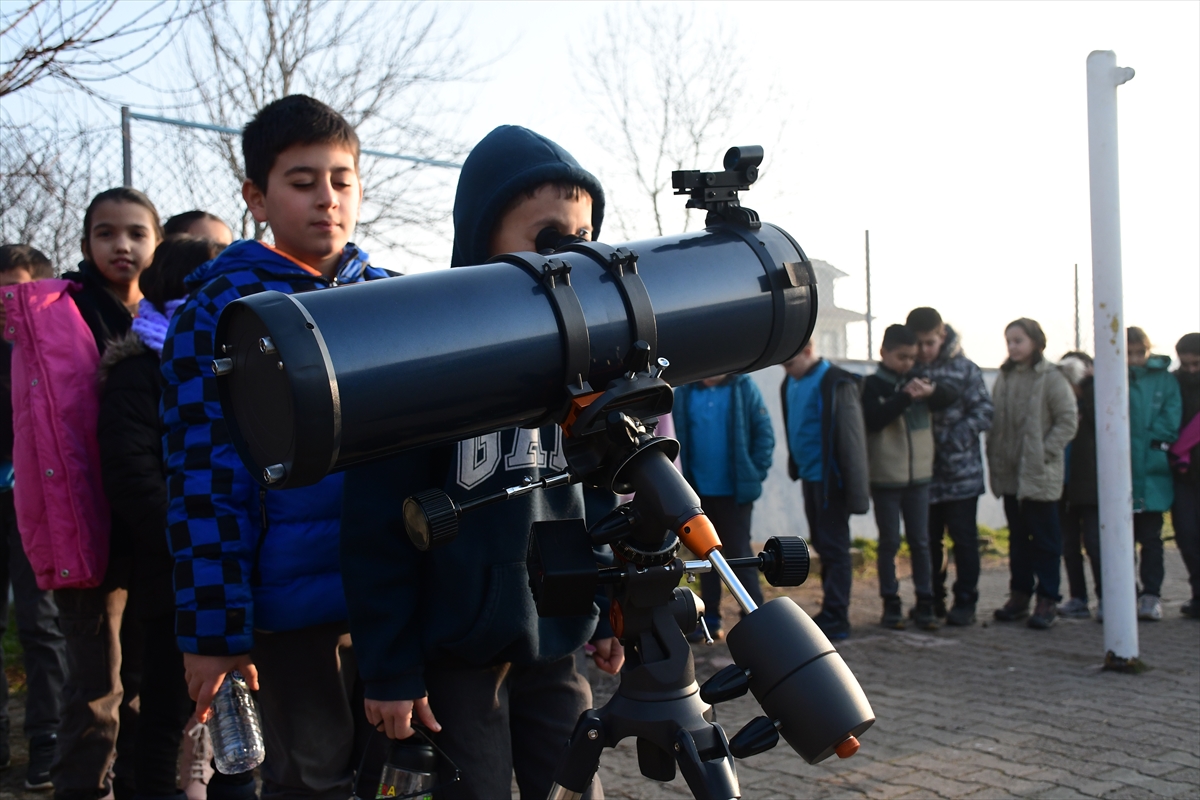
(924, 616)
(42, 749)
(833, 626)
(1191, 608)
(893, 614)
(962, 615)
(1045, 614)
(1016, 609)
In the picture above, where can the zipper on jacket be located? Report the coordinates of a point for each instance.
(255, 573)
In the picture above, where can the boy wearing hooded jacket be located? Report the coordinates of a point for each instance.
(452, 636)
(257, 587)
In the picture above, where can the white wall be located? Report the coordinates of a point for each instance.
(780, 510)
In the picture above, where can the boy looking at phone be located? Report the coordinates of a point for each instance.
(896, 409)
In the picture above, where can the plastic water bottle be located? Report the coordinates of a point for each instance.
(235, 728)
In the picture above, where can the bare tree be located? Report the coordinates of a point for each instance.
(376, 63)
(82, 42)
(668, 91)
(48, 174)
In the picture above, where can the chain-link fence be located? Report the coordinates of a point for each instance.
(184, 165)
(50, 170)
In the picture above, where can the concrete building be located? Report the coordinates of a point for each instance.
(830, 333)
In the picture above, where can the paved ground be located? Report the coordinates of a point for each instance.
(992, 711)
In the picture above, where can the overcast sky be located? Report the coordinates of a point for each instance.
(955, 132)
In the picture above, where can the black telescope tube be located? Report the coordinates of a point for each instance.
(323, 380)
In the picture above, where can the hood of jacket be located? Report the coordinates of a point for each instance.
(951, 348)
(251, 254)
(1154, 363)
(509, 160)
(105, 315)
(127, 345)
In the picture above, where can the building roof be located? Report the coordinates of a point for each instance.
(829, 314)
(826, 270)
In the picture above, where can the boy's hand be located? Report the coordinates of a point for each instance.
(609, 655)
(395, 716)
(205, 674)
(918, 388)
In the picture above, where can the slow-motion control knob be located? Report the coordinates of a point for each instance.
(785, 561)
(431, 519)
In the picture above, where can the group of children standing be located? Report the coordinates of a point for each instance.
(906, 438)
(171, 567)
(919, 458)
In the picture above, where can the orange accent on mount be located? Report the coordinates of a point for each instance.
(847, 748)
(616, 618)
(577, 407)
(699, 535)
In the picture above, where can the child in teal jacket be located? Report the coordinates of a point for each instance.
(1155, 406)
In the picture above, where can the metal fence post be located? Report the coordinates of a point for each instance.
(126, 149)
(1114, 471)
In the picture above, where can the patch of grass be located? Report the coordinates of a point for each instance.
(992, 541)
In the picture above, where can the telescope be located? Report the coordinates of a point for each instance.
(584, 335)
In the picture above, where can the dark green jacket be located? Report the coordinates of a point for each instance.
(1155, 407)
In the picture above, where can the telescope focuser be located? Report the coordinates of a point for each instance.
(717, 192)
(431, 516)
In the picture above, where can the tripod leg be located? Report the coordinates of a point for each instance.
(581, 759)
(709, 771)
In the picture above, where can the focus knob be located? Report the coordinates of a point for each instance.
(785, 561)
(431, 519)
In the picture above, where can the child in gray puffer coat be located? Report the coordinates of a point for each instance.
(958, 463)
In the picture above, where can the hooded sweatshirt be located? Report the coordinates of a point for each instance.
(508, 161)
(466, 604)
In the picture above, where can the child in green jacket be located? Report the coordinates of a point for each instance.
(1155, 406)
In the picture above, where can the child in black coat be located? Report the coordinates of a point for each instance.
(130, 436)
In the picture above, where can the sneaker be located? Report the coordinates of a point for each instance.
(1075, 608)
(1191, 608)
(1016, 609)
(961, 615)
(42, 750)
(893, 614)
(834, 627)
(1044, 615)
(1149, 608)
(925, 616)
(195, 768)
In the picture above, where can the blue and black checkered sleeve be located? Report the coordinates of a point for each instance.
(211, 497)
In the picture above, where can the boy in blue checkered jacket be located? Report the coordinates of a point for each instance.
(257, 586)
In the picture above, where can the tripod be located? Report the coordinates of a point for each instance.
(780, 655)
